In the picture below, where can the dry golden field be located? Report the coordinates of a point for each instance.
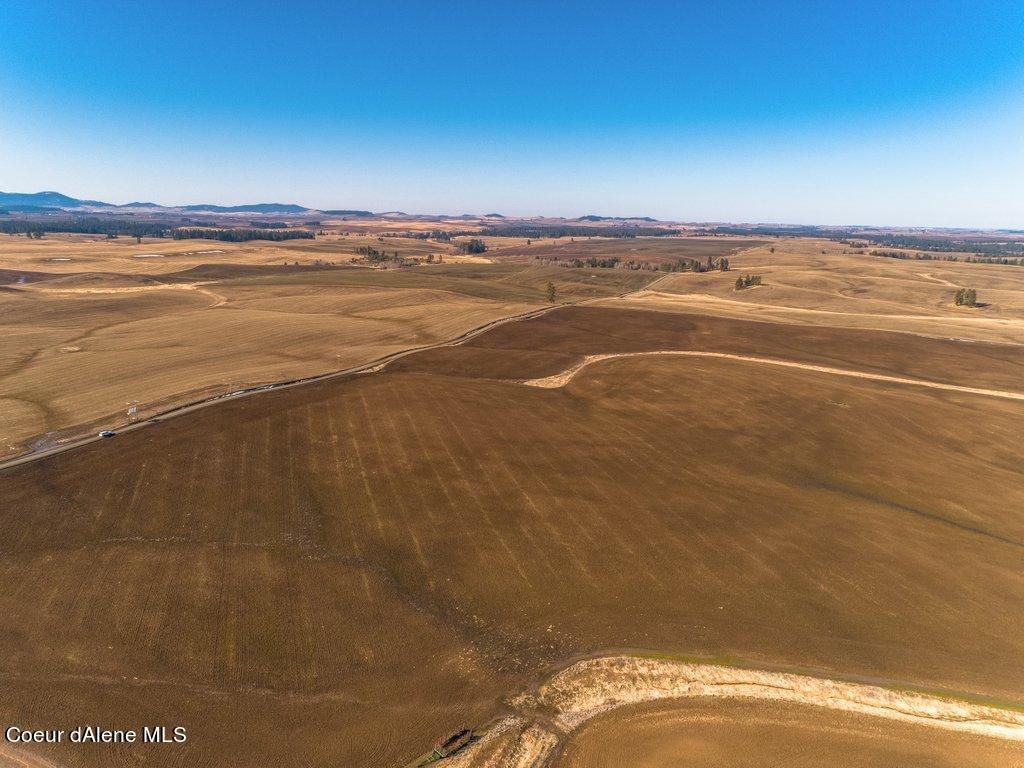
(654, 250)
(83, 346)
(75, 360)
(155, 256)
(813, 282)
(347, 571)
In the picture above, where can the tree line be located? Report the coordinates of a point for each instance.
(83, 226)
(615, 262)
(241, 235)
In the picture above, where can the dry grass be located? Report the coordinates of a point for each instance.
(74, 360)
(210, 317)
(814, 283)
(346, 571)
(87, 253)
(653, 250)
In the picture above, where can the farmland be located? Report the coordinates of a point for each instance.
(349, 570)
(400, 385)
(653, 250)
(711, 733)
(819, 282)
(85, 346)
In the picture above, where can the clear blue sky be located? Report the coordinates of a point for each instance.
(824, 112)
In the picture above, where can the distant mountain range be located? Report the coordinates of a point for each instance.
(46, 200)
(593, 217)
(52, 202)
(43, 200)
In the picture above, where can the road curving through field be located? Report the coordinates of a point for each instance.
(372, 366)
(559, 380)
(545, 719)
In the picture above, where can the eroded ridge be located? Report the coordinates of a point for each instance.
(597, 686)
(591, 687)
(561, 379)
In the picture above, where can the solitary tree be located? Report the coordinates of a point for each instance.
(551, 292)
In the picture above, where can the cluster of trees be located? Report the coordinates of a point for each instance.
(966, 297)
(441, 235)
(593, 262)
(746, 281)
(241, 235)
(277, 224)
(373, 256)
(473, 245)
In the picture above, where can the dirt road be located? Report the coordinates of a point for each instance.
(563, 378)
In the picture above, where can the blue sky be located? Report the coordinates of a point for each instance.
(826, 112)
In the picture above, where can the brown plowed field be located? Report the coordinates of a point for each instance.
(344, 572)
(553, 342)
(712, 734)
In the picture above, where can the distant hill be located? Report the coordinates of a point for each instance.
(345, 212)
(253, 208)
(44, 200)
(27, 201)
(594, 217)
